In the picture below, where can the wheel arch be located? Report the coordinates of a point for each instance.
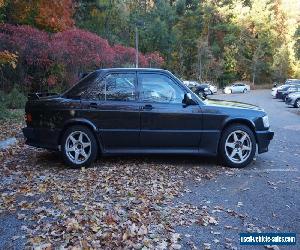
(295, 102)
(238, 121)
(82, 122)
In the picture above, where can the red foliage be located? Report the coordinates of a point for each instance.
(154, 59)
(31, 44)
(60, 57)
(125, 56)
(80, 51)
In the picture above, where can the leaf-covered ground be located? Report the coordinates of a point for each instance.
(155, 202)
(117, 204)
(12, 125)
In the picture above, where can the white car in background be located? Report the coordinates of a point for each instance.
(213, 89)
(191, 84)
(237, 88)
(275, 89)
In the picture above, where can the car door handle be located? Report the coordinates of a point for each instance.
(93, 105)
(147, 107)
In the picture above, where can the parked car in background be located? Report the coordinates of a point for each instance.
(274, 90)
(202, 90)
(191, 84)
(288, 82)
(280, 92)
(139, 111)
(236, 88)
(292, 81)
(212, 89)
(290, 90)
(293, 99)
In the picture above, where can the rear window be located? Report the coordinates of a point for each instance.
(82, 86)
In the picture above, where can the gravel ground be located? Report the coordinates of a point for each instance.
(153, 202)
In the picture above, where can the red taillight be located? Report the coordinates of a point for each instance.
(28, 118)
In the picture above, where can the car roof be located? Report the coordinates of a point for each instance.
(134, 70)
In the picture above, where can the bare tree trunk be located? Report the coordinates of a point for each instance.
(200, 64)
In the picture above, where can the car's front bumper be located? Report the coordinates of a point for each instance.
(42, 137)
(289, 101)
(263, 140)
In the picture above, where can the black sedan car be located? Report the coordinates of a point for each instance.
(143, 111)
(283, 90)
(202, 90)
(290, 90)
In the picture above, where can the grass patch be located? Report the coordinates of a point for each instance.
(16, 115)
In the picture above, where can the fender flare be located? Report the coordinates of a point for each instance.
(229, 121)
(84, 122)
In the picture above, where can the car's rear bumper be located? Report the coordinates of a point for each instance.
(263, 140)
(42, 137)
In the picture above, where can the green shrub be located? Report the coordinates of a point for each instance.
(15, 99)
(2, 97)
(4, 113)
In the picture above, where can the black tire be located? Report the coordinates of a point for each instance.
(222, 149)
(297, 103)
(92, 155)
(245, 91)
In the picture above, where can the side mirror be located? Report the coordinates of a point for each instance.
(188, 100)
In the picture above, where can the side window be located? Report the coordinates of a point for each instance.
(120, 87)
(159, 88)
(114, 87)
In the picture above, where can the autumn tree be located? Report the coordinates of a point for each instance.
(52, 16)
(55, 15)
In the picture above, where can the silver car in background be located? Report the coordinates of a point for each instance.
(237, 88)
(287, 82)
(293, 99)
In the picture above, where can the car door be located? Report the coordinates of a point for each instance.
(112, 105)
(243, 87)
(166, 123)
(234, 88)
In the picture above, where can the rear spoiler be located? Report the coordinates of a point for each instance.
(37, 96)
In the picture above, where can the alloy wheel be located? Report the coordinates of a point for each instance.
(78, 147)
(238, 146)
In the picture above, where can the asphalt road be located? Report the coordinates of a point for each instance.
(263, 197)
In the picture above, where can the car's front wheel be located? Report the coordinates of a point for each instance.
(297, 103)
(245, 91)
(79, 146)
(237, 146)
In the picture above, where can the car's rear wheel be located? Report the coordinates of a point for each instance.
(237, 146)
(79, 146)
(297, 103)
(245, 91)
